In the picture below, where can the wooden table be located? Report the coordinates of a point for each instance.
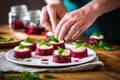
(111, 60)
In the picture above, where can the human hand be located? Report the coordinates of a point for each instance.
(52, 12)
(73, 24)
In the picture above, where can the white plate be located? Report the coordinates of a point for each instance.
(37, 60)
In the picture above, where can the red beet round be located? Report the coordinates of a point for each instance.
(80, 54)
(56, 45)
(22, 54)
(61, 59)
(32, 47)
(44, 52)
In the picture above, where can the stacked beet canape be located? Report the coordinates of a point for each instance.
(61, 56)
(22, 51)
(96, 37)
(48, 34)
(79, 50)
(44, 49)
(56, 43)
(29, 43)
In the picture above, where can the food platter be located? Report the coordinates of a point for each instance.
(46, 61)
(16, 36)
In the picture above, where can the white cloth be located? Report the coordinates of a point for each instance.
(7, 66)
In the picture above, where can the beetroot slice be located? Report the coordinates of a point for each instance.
(44, 52)
(80, 54)
(56, 45)
(91, 40)
(32, 47)
(61, 59)
(25, 54)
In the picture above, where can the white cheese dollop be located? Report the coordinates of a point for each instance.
(80, 49)
(20, 50)
(44, 46)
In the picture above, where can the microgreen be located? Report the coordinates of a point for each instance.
(52, 38)
(42, 42)
(92, 46)
(60, 50)
(28, 40)
(96, 34)
(37, 23)
(22, 46)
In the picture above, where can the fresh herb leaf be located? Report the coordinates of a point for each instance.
(42, 42)
(37, 23)
(48, 44)
(48, 76)
(52, 38)
(22, 46)
(106, 48)
(60, 50)
(30, 75)
(28, 60)
(100, 43)
(28, 40)
(92, 46)
(96, 34)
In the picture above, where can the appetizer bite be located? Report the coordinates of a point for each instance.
(96, 37)
(61, 56)
(29, 43)
(56, 43)
(79, 51)
(22, 51)
(44, 49)
(48, 34)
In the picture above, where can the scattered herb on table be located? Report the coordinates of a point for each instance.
(48, 76)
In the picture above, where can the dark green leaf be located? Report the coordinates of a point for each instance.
(48, 44)
(37, 23)
(100, 43)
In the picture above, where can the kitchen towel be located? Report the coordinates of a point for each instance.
(7, 66)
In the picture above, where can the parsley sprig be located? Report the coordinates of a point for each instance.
(22, 46)
(96, 34)
(28, 40)
(60, 50)
(42, 42)
(52, 38)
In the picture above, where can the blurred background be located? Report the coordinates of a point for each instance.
(6, 4)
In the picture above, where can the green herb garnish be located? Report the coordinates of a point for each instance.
(52, 38)
(22, 46)
(48, 76)
(37, 23)
(48, 44)
(92, 46)
(96, 34)
(28, 40)
(42, 42)
(79, 41)
(60, 50)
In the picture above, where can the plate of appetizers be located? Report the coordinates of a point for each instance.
(12, 39)
(53, 54)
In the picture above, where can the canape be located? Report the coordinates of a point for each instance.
(44, 49)
(56, 43)
(61, 56)
(48, 34)
(79, 51)
(22, 51)
(29, 43)
(95, 38)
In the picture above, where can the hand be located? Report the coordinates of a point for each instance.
(73, 24)
(52, 12)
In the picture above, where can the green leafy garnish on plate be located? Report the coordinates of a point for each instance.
(37, 23)
(28, 41)
(96, 34)
(52, 38)
(60, 50)
(42, 42)
(22, 46)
